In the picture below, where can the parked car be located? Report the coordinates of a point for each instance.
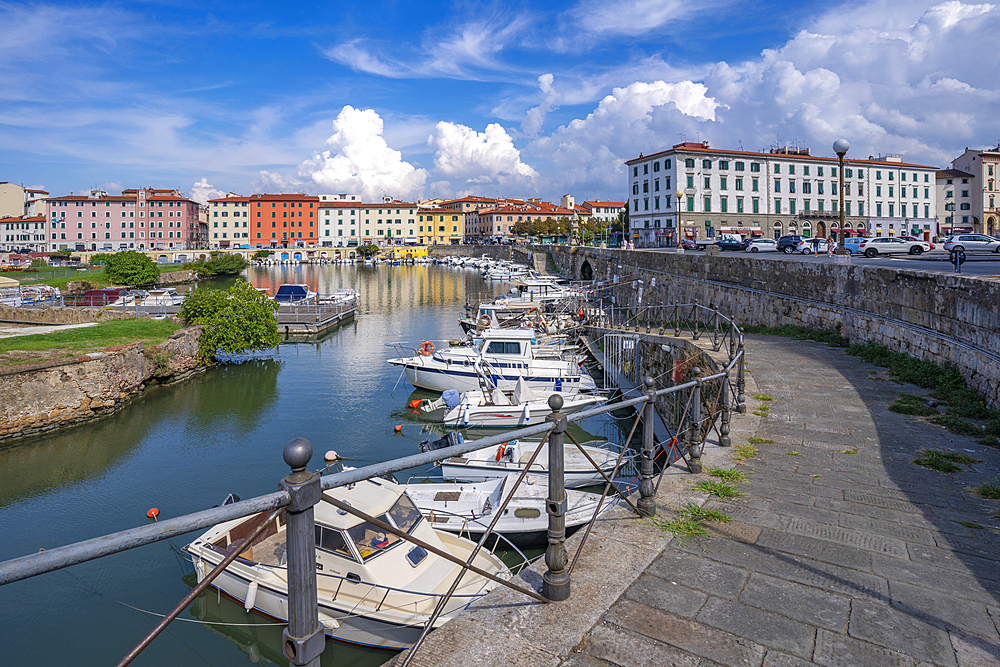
(762, 245)
(853, 244)
(892, 245)
(729, 244)
(689, 244)
(808, 246)
(914, 238)
(972, 243)
(787, 244)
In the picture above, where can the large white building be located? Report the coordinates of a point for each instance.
(783, 191)
(984, 168)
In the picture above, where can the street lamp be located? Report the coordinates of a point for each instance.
(840, 147)
(679, 194)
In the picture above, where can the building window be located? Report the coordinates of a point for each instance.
(708, 204)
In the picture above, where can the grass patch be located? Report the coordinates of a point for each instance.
(681, 527)
(760, 441)
(763, 397)
(794, 453)
(943, 461)
(696, 513)
(727, 474)
(744, 452)
(718, 489)
(848, 451)
(956, 424)
(102, 334)
(831, 338)
(988, 490)
(973, 525)
(760, 413)
(911, 404)
(815, 475)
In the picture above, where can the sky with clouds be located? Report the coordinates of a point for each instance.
(416, 100)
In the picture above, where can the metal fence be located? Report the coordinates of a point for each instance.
(706, 404)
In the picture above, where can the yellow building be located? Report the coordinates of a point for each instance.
(438, 226)
(403, 252)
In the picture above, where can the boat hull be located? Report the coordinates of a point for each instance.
(441, 379)
(525, 414)
(477, 471)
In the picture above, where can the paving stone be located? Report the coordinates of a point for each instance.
(776, 493)
(700, 574)
(895, 629)
(762, 627)
(879, 501)
(734, 530)
(666, 595)
(970, 546)
(794, 568)
(973, 651)
(757, 517)
(776, 659)
(802, 486)
(617, 646)
(858, 509)
(584, 660)
(889, 529)
(942, 609)
(981, 568)
(853, 538)
(687, 635)
(804, 603)
(817, 514)
(836, 650)
(826, 551)
(959, 584)
(994, 613)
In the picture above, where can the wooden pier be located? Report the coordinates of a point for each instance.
(311, 319)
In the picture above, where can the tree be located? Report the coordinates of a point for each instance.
(131, 268)
(262, 254)
(368, 249)
(219, 265)
(238, 320)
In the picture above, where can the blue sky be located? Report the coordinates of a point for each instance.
(443, 99)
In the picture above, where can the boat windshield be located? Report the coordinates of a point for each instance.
(405, 514)
(370, 540)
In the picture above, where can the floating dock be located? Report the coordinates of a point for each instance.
(312, 320)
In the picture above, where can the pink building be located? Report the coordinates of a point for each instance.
(138, 219)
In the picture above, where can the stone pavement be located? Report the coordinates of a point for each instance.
(11, 330)
(842, 551)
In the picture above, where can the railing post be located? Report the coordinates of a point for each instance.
(555, 581)
(724, 395)
(677, 316)
(303, 640)
(741, 403)
(646, 504)
(694, 435)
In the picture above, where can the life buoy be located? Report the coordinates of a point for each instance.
(580, 314)
(484, 321)
(426, 348)
(500, 452)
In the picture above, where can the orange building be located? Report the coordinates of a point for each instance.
(284, 220)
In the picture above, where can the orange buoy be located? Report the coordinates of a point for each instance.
(399, 428)
(427, 348)
(415, 403)
(153, 513)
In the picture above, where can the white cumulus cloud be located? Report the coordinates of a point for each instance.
(202, 191)
(358, 159)
(479, 157)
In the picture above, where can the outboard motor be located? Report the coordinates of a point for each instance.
(449, 440)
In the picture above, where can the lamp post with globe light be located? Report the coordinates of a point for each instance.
(840, 147)
(680, 244)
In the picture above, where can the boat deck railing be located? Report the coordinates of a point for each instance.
(702, 405)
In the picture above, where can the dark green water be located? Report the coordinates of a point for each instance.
(182, 448)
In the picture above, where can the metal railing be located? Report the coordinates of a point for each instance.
(303, 639)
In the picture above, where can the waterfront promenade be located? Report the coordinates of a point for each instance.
(842, 551)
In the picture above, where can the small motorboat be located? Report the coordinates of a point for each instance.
(512, 457)
(162, 296)
(467, 509)
(294, 293)
(373, 588)
(498, 408)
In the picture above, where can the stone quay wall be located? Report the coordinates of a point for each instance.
(935, 316)
(177, 277)
(62, 315)
(52, 394)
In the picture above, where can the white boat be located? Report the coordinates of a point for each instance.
(495, 409)
(294, 293)
(504, 356)
(343, 296)
(513, 456)
(374, 589)
(162, 296)
(467, 509)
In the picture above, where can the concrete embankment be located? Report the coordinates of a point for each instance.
(56, 393)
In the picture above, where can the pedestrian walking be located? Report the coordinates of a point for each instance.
(829, 246)
(815, 243)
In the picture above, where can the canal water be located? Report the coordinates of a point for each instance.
(183, 447)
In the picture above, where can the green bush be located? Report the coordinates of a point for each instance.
(131, 268)
(218, 265)
(237, 321)
(910, 404)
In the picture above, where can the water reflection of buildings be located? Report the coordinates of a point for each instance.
(259, 638)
